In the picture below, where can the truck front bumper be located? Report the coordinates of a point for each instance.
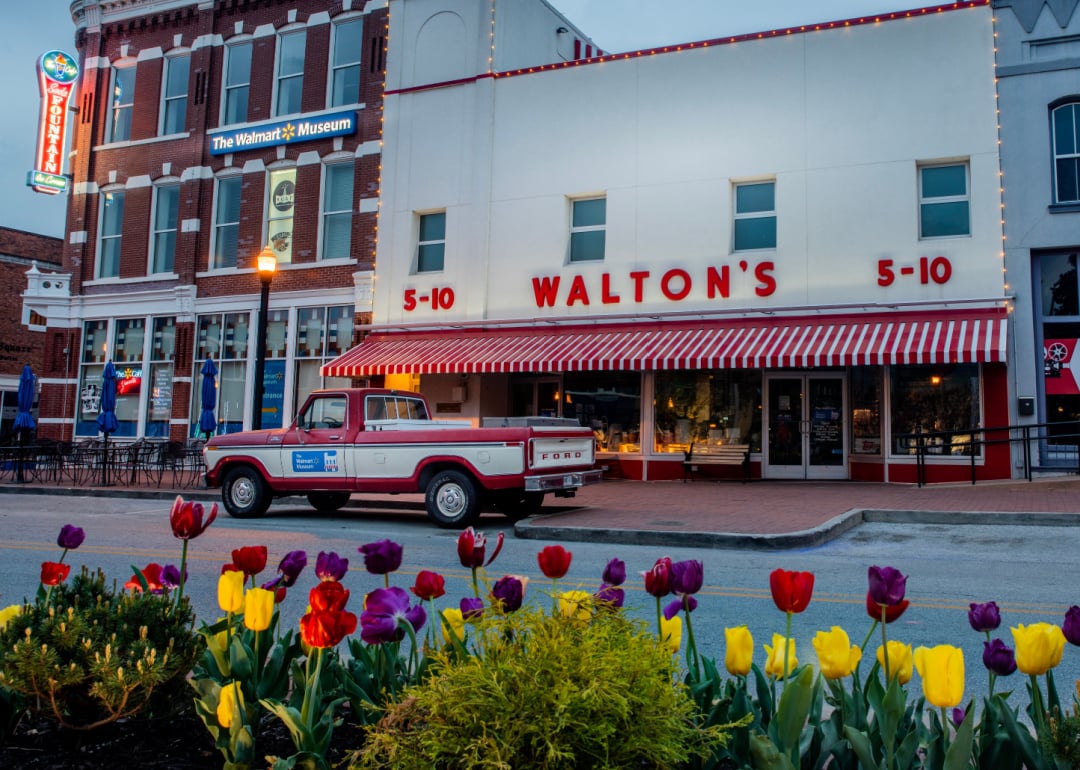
(557, 482)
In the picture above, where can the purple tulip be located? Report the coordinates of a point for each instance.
(508, 592)
(984, 617)
(887, 585)
(615, 572)
(381, 557)
(999, 657)
(472, 608)
(416, 616)
(1071, 626)
(170, 576)
(689, 603)
(687, 577)
(70, 537)
(385, 610)
(610, 596)
(957, 715)
(330, 566)
(292, 564)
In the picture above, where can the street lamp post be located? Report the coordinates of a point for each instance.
(267, 266)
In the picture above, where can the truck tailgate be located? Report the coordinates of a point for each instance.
(549, 453)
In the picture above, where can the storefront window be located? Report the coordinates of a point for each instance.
(1061, 338)
(224, 338)
(927, 399)
(322, 334)
(159, 398)
(92, 362)
(127, 357)
(707, 408)
(865, 384)
(609, 403)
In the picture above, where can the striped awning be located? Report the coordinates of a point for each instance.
(963, 336)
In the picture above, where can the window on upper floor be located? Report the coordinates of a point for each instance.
(345, 63)
(588, 229)
(337, 210)
(289, 81)
(121, 103)
(237, 83)
(166, 221)
(944, 206)
(431, 245)
(174, 94)
(754, 224)
(109, 234)
(226, 222)
(280, 209)
(1066, 129)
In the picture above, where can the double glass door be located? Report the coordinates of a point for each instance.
(806, 430)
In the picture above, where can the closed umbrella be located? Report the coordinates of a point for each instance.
(24, 420)
(207, 421)
(106, 418)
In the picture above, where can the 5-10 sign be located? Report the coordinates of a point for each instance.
(440, 298)
(936, 270)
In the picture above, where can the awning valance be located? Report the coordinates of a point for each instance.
(948, 336)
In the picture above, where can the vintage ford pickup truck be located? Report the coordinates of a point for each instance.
(377, 440)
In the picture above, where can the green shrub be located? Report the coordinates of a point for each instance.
(544, 692)
(89, 654)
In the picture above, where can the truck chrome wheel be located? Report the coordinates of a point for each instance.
(244, 493)
(451, 499)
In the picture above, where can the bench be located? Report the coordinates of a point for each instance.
(725, 454)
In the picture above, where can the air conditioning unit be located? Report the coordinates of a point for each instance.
(459, 394)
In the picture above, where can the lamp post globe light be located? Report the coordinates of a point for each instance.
(266, 265)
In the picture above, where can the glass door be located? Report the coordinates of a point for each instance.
(806, 431)
(535, 397)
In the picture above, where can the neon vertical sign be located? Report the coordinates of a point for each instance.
(57, 72)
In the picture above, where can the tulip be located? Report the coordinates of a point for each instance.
(658, 579)
(1071, 626)
(251, 559)
(791, 591)
(900, 661)
(609, 596)
(942, 672)
(984, 617)
(292, 564)
(687, 577)
(231, 591)
(230, 700)
(186, 518)
(873, 609)
(258, 609)
(171, 577)
(70, 537)
(54, 573)
(386, 610)
(739, 655)
(326, 629)
(887, 585)
(453, 622)
(957, 716)
(508, 593)
(576, 605)
(8, 614)
(328, 596)
(429, 585)
(554, 561)
(381, 557)
(472, 608)
(776, 655)
(154, 577)
(998, 657)
(671, 634)
(330, 566)
(471, 547)
(615, 572)
(1038, 647)
(837, 656)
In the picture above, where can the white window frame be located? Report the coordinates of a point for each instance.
(586, 229)
(419, 243)
(104, 238)
(1073, 156)
(965, 198)
(736, 215)
(279, 77)
(167, 100)
(228, 90)
(116, 108)
(326, 214)
(218, 225)
(335, 68)
(155, 231)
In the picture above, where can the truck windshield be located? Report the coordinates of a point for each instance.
(324, 413)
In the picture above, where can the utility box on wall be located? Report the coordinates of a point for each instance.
(1025, 406)
(459, 394)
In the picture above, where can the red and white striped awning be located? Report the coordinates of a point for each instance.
(963, 336)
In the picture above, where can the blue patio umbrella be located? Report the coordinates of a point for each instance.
(106, 418)
(24, 420)
(207, 421)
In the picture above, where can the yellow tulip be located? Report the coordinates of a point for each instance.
(258, 608)
(774, 660)
(671, 633)
(942, 672)
(900, 661)
(837, 656)
(576, 605)
(456, 621)
(228, 701)
(1038, 647)
(8, 613)
(740, 650)
(230, 591)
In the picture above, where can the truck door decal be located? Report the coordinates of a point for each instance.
(317, 461)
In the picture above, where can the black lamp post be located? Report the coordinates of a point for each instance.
(267, 266)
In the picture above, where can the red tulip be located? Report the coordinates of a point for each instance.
(152, 574)
(328, 596)
(326, 629)
(791, 590)
(429, 585)
(471, 546)
(554, 561)
(251, 559)
(186, 518)
(54, 573)
(873, 609)
(658, 579)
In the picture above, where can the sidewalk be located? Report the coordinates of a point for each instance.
(759, 514)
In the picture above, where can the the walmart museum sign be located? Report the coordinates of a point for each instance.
(283, 132)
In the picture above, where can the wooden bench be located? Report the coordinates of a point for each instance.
(725, 454)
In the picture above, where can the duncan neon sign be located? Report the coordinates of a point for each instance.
(57, 72)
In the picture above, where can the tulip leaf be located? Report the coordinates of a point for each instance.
(794, 708)
(764, 694)
(905, 752)
(860, 744)
(766, 756)
(958, 755)
(1022, 739)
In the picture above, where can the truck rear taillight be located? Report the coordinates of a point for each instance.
(532, 450)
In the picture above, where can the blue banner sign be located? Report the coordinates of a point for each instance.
(315, 461)
(283, 132)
